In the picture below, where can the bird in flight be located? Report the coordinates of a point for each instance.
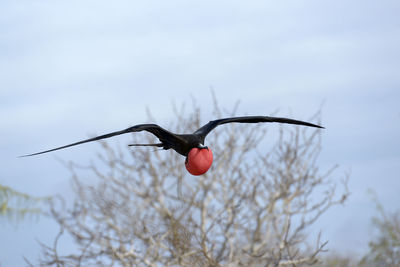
(198, 156)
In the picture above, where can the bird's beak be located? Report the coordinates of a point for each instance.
(201, 146)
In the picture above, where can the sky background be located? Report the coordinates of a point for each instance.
(70, 69)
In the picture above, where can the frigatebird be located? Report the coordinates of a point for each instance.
(198, 156)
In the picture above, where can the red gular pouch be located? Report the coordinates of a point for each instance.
(199, 160)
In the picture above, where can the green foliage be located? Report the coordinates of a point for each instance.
(385, 248)
(16, 206)
(337, 260)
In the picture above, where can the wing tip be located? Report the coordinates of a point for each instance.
(312, 125)
(30, 155)
(317, 126)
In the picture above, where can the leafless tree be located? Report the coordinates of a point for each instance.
(252, 208)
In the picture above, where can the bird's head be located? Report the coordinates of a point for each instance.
(199, 160)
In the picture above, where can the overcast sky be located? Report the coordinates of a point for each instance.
(70, 69)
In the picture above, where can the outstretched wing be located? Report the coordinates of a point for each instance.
(204, 130)
(165, 136)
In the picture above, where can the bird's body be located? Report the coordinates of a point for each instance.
(184, 143)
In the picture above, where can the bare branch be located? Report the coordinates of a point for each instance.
(253, 208)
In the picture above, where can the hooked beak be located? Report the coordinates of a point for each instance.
(201, 146)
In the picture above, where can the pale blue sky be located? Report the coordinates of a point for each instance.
(73, 68)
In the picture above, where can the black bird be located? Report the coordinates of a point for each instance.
(198, 156)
